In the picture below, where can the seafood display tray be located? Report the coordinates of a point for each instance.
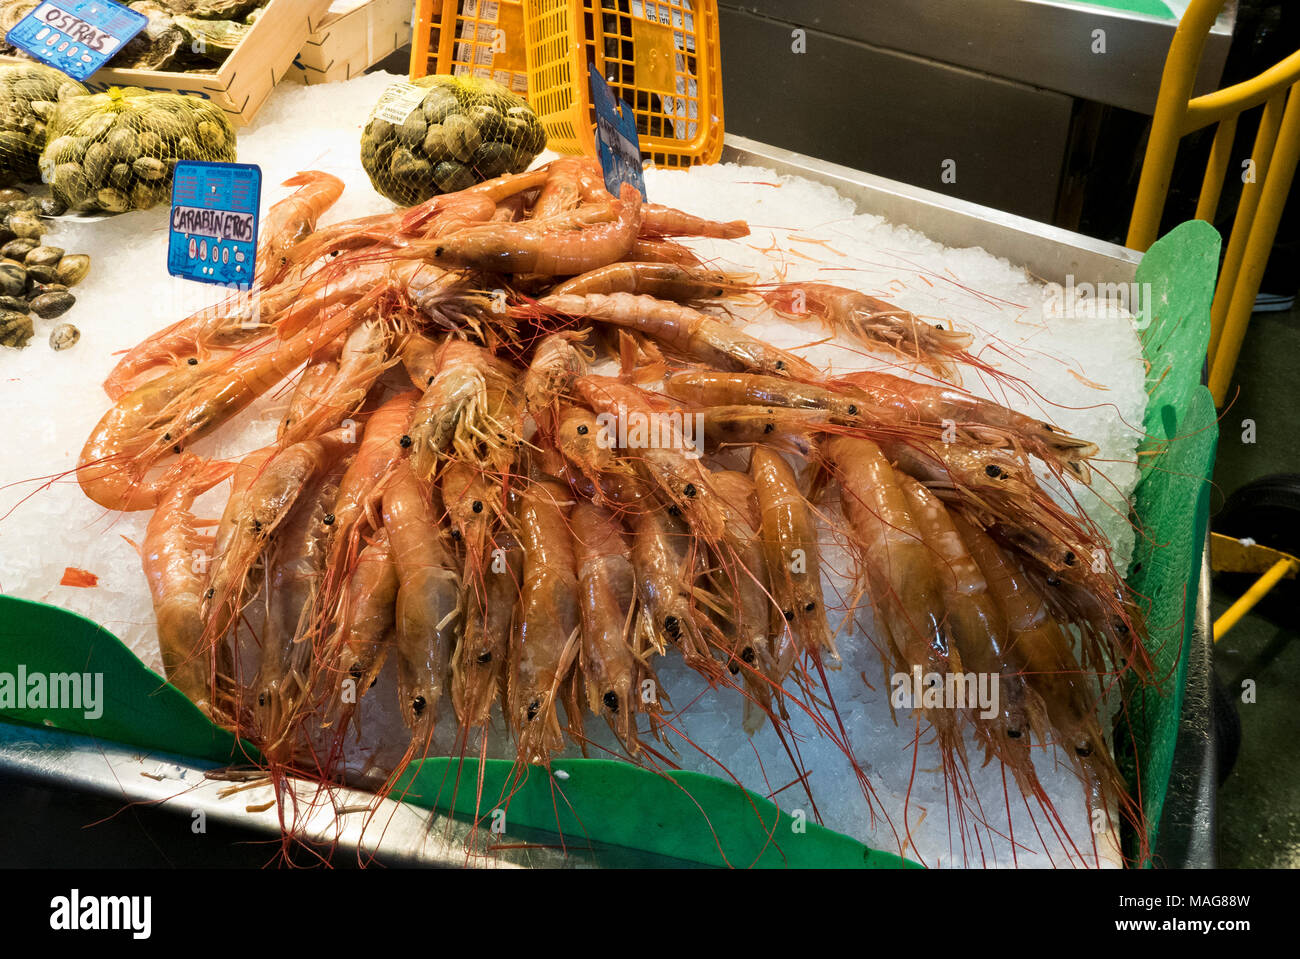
(39, 767)
(244, 81)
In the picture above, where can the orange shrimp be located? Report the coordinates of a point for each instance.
(667, 281)
(455, 414)
(984, 420)
(607, 585)
(979, 631)
(557, 361)
(416, 220)
(742, 580)
(490, 589)
(428, 600)
(789, 532)
(173, 556)
(873, 323)
(293, 219)
(260, 511)
(295, 571)
(1041, 652)
(696, 335)
(367, 615)
(646, 250)
(337, 390)
(660, 221)
(530, 247)
(791, 430)
(545, 642)
(667, 561)
(714, 388)
(169, 412)
(569, 180)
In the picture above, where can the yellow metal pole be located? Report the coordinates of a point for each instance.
(1216, 169)
(1181, 63)
(1243, 223)
(1258, 590)
(1272, 198)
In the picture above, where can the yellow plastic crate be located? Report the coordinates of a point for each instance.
(482, 38)
(662, 58)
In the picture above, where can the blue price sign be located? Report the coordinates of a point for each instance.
(76, 36)
(214, 222)
(616, 141)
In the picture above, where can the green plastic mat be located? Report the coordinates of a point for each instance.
(689, 817)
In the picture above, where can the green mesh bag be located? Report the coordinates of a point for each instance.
(28, 97)
(115, 151)
(441, 134)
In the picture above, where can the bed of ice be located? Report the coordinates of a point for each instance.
(1089, 367)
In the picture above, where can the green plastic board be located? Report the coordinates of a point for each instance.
(687, 816)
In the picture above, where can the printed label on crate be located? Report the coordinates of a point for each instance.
(214, 222)
(398, 102)
(76, 36)
(616, 141)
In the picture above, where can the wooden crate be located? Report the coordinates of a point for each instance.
(245, 80)
(348, 44)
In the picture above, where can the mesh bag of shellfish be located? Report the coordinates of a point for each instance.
(115, 151)
(28, 96)
(440, 134)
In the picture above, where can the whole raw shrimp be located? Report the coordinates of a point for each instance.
(158, 419)
(533, 247)
(172, 554)
(293, 219)
(546, 636)
(666, 281)
(428, 599)
(695, 335)
(874, 323)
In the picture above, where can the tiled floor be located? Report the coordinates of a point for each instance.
(1259, 805)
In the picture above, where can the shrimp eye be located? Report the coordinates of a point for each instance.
(485, 657)
(261, 699)
(477, 506)
(1014, 733)
(1053, 581)
(780, 364)
(853, 409)
(1084, 750)
(167, 437)
(1069, 559)
(455, 534)
(674, 511)
(177, 449)
(747, 654)
(810, 607)
(1048, 427)
(532, 709)
(405, 441)
(789, 616)
(769, 427)
(690, 489)
(733, 668)
(210, 593)
(1121, 627)
(329, 519)
(192, 361)
(938, 326)
(611, 701)
(430, 382)
(418, 704)
(438, 252)
(582, 430)
(993, 471)
(355, 671)
(672, 626)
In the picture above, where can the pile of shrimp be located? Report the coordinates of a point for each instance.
(457, 486)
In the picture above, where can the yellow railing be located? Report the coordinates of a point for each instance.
(1273, 163)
